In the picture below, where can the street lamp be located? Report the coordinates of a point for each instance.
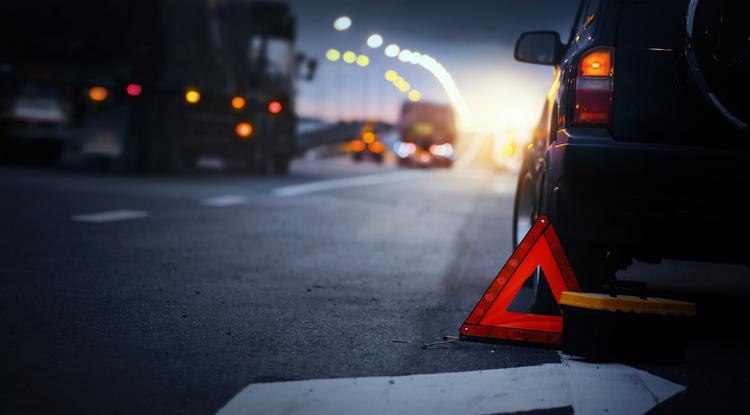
(363, 60)
(375, 41)
(342, 23)
(333, 55)
(349, 56)
(392, 50)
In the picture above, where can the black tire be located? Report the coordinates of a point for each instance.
(588, 260)
(525, 206)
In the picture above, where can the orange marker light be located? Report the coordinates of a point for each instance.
(238, 103)
(192, 96)
(98, 93)
(244, 129)
(133, 90)
(274, 107)
(368, 137)
(376, 147)
(357, 146)
(597, 63)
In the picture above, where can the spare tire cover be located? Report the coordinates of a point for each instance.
(718, 54)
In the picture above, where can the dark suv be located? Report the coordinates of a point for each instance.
(642, 149)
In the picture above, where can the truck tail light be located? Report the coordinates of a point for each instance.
(238, 103)
(244, 130)
(594, 88)
(376, 147)
(274, 107)
(134, 90)
(98, 93)
(192, 96)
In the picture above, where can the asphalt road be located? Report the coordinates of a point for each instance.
(219, 281)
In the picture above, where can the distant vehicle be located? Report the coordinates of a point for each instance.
(641, 152)
(427, 135)
(151, 84)
(368, 146)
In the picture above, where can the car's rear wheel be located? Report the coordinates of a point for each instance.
(525, 209)
(587, 259)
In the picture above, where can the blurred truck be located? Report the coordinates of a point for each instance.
(427, 134)
(151, 84)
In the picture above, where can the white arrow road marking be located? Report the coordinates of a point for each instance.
(110, 216)
(357, 181)
(224, 201)
(588, 388)
(614, 388)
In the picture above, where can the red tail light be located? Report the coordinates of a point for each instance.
(134, 90)
(594, 88)
(274, 107)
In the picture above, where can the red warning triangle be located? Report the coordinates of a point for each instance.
(491, 319)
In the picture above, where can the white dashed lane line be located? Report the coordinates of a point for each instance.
(224, 201)
(348, 182)
(587, 388)
(110, 216)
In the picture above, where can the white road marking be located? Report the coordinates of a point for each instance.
(588, 388)
(224, 201)
(614, 388)
(357, 181)
(110, 216)
(471, 153)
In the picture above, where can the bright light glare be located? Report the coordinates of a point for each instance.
(98, 93)
(192, 96)
(442, 150)
(357, 146)
(375, 41)
(404, 55)
(274, 107)
(414, 58)
(404, 150)
(243, 129)
(405, 87)
(368, 137)
(376, 147)
(415, 95)
(238, 103)
(390, 75)
(333, 55)
(134, 90)
(349, 56)
(363, 60)
(342, 23)
(392, 50)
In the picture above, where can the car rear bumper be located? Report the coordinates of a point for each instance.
(650, 201)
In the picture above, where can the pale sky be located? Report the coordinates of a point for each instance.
(473, 39)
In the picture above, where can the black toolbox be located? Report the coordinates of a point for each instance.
(613, 327)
